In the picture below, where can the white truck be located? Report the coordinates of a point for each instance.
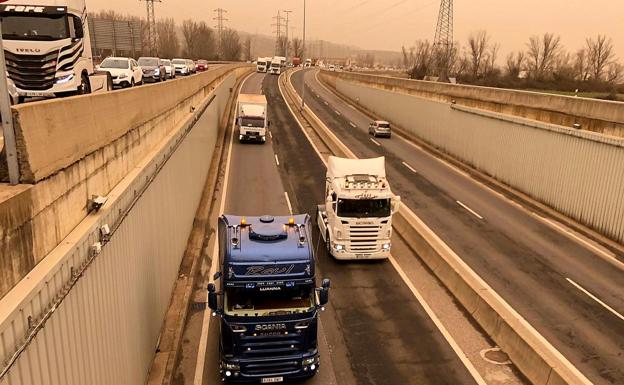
(278, 63)
(48, 49)
(356, 219)
(261, 65)
(251, 118)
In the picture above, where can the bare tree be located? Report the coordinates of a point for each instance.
(199, 40)
(230, 45)
(615, 73)
(478, 45)
(366, 59)
(599, 54)
(581, 65)
(418, 59)
(168, 43)
(515, 64)
(297, 47)
(247, 49)
(489, 62)
(542, 52)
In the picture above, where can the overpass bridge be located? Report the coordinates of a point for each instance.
(507, 263)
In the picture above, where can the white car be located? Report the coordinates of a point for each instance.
(169, 68)
(124, 71)
(181, 67)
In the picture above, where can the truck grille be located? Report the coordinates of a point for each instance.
(270, 345)
(364, 238)
(271, 367)
(32, 72)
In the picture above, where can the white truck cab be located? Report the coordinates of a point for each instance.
(251, 117)
(356, 219)
(47, 48)
(261, 64)
(278, 63)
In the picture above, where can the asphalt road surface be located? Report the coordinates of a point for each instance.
(374, 331)
(571, 294)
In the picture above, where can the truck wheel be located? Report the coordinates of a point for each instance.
(85, 86)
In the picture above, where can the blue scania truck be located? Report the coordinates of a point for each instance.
(266, 298)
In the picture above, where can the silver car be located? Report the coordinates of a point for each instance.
(380, 128)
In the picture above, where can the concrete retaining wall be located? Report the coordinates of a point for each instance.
(578, 173)
(118, 129)
(600, 116)
(101, 325)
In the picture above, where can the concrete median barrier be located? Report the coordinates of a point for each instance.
(530, 352)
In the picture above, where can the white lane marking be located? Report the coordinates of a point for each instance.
(271, 134)
(198, 379)
(469, 209)
(317, 95)
(276, 160)
(462, 356)
(327, 104)
(288, 202)
(447, 336)
(352, 125)
(590, 295)
(590, 245)
(376, 142)
(337, 112)
(412, 169)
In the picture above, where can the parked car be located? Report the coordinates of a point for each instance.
(124, 71)
(201, 65)
(181, 67)
(191, 66)
(169, 70)
(153, 69)
(332, 67)
(380, 128)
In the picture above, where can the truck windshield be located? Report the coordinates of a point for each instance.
(275, 65)
(40, 27)
(255, 303)
(252, 122)
(115, 63)
(363, 208)
(261, 63)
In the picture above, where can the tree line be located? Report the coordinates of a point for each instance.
(192, 39)
(544, 63)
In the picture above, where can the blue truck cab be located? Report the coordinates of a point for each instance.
(266, 298)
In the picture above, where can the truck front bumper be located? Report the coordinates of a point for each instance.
(273, 370)
(252, 136)
(57, 88)
(349, 255)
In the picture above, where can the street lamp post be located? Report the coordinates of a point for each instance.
(304, 55)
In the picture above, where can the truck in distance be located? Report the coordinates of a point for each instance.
(251, 117)
(267, 299)
(261, 65)
(356, 219)
(278, 63)
(48, 49)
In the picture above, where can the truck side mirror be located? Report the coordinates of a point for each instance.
(396, 204)
(212, 297)
(324, 292)
(326, 283)
(217, 275)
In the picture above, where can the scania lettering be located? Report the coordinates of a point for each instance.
(47, 48)
(268, 322)
(251, 118)
(356, 219)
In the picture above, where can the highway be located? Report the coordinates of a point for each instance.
(570, 290)
(373, 331)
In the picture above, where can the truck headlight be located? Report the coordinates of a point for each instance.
(238, 328)
(386, 246)
(308, 361)
(339, 247)
(64, 79)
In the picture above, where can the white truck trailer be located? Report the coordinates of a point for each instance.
(251, 118)
(48, 49)
(356, 219)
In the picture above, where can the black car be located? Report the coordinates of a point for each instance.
(153, 69)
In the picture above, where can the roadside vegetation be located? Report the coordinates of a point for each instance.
(544, 65)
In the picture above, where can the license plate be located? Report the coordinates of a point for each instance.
(34, 94)
(271, 380)
(362, 255)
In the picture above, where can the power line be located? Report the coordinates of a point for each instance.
(220, 19)
(278, 30)
(443, 40)
(287, 20)
(151, 26)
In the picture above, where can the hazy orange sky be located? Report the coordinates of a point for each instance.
(389, 24)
